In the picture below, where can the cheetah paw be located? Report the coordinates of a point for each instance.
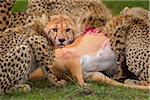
(61, 83)
(25, 88)
(22, 88)
(54, 81)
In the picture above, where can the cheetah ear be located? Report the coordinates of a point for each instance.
(43, 19)
(124, 10)
(39, 23)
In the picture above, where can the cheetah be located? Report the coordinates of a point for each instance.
(129, 39)
(23, 50)
(87, 13)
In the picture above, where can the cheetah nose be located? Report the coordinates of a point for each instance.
(61, 40)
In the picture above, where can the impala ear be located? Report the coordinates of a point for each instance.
(105, 44)
(103, 47)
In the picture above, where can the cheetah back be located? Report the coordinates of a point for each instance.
(137, 49)
(129, 39)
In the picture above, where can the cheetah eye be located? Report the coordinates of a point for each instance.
(84, 20)
(101, 20)
(90, 19)
(68, 29)
(54, 29)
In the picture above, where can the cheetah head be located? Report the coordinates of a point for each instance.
(61, 29)
(135, 11)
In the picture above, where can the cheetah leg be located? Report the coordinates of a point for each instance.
(136, 82)
(121, 68)
(44, 56)
(23, 88)
(118, 47)
(54, 81)
(20, 76)
(101, 78)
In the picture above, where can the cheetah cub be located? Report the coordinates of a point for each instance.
(24, 49)
(130, 41)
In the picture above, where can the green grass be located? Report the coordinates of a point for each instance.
(42, 91)
(20, 5)
(117, 5)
